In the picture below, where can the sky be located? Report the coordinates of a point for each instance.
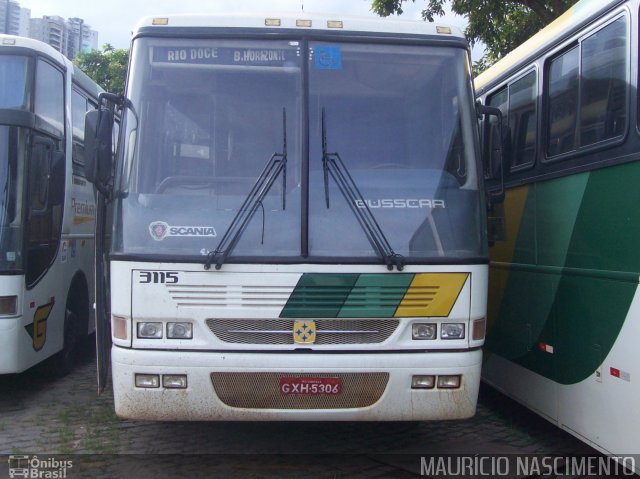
(115, 19)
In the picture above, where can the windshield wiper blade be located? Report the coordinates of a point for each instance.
(277, 164)
(332, 165)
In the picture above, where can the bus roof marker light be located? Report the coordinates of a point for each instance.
(160, 21)
(334, 24)
(444, 30)
(304, 23)
(8, 41)
(272, 22)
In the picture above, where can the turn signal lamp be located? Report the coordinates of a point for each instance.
(479, 329)
(119, 327)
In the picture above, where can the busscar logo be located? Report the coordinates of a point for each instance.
(159, 230)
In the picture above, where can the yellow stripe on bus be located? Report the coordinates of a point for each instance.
(431, 294)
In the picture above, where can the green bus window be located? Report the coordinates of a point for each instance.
(563, 102)
(522, 120)
(603, 89)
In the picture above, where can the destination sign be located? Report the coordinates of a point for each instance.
(272, 57)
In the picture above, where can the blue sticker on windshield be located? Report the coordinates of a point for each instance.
(328, 58)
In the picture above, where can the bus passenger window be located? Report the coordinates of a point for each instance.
(563, 103)
(603, 89)
(522, 119)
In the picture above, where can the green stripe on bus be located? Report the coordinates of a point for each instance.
(319, 295)
(376, 296)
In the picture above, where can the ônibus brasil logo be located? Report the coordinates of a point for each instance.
(159, 230)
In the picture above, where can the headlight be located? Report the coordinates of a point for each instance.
(148, 381)
(452, 331)
(179, 330)
(449, 382)
(423, 331)
(150, 330)
(423, 382)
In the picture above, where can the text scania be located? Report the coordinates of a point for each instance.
(191, 231)
(401, 203)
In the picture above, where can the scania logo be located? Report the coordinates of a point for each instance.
(159, 230)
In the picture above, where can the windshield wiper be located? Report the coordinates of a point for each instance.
(333, 165)
(277, 164)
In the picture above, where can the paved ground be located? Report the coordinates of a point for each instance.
(43, 416)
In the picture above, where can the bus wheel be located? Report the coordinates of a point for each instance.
(66, 359)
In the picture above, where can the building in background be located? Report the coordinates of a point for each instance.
(14, 20)
(70, 37)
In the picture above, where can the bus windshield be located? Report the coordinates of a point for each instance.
(211, 114)
(13, 78)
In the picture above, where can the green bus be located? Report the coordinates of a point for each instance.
(564, 303)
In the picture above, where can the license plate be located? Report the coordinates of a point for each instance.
(310, 386)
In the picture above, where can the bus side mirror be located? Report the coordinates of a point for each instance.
(98, 147)
(493, 151)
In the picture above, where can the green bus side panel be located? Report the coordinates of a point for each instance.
(576, 261)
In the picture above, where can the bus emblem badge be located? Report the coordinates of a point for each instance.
(158, 230)
(304, 332)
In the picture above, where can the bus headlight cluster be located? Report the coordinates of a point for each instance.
(153, 330)
(430, 331)
(430, 381)
(169, 381)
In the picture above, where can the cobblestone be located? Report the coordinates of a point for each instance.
(43, 415)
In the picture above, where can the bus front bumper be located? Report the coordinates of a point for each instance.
(246, 395)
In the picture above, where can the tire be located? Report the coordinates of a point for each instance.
(65, 360)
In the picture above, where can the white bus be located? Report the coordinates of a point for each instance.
(47, 207)
(298, 225)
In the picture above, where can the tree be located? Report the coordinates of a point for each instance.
(501, 25)
(107, 67)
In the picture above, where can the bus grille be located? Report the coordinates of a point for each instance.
(280, 331)
(262, 390)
